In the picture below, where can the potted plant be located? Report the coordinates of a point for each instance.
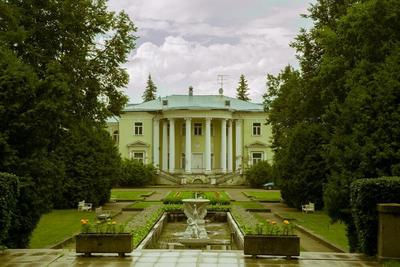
(103, 237)
(272, 239)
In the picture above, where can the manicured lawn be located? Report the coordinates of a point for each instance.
(119, 194)
(57, 226)
(319, 223)
(273, 196)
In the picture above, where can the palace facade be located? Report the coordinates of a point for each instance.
(194, 134)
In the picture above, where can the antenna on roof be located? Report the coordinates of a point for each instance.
(221, 83)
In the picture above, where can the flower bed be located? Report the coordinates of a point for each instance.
(111, 237)
(266, 237)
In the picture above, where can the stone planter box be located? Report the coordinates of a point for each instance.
(104, 243)
(272, 245)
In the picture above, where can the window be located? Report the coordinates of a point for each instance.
(197, 128)
(256, 157)
(139, 156)
(115, 136)
(256, 128)
(138, 128)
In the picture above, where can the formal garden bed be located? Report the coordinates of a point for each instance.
(265, 237)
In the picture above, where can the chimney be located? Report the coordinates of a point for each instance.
(190, 90)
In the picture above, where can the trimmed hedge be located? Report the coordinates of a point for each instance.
(365, 194)
(9, 192)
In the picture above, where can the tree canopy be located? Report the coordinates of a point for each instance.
(346, 93)
(60, 73)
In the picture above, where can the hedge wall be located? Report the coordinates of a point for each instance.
(9, 191)
(365, 195)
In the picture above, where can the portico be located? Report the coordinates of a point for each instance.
(206, 143)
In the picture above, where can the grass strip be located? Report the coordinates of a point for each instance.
(320, 224)
(57, 226)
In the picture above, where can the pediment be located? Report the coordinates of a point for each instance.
(257, 144)
(138, 144)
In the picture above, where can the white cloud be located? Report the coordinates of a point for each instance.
(186, 43)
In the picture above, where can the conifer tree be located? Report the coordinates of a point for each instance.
(243, 89)
(150, 92)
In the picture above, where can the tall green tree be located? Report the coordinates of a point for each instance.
(150, 92)
(365, 120)
(242, 92)
(347, 87)
(60, 66)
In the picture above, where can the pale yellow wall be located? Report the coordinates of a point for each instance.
(249, 138)
(126, 133)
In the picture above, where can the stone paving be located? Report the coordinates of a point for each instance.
(180, 258)
(175, 258)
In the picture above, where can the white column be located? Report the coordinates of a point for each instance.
(165, 146)
(171, 145)
(230, 165)
(156, 143)
(223, 145)
(238, 145)
(188, 146)
(208, 145)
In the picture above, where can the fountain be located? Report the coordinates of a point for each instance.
(192, 234)
(195, 210)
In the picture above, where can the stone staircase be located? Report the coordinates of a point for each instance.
(168, 179)
(200, 179)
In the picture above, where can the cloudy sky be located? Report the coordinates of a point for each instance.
(191, 42)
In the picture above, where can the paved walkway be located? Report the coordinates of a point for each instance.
(176, 258)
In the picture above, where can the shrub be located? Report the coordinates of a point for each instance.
(365, 194)
(135, 173)
(9, 191)
(91, 162)
(259, 174)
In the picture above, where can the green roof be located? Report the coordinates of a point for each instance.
(196, 102)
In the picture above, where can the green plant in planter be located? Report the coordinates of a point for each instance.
(102, 227)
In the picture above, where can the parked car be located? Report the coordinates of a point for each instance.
(269, 185)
